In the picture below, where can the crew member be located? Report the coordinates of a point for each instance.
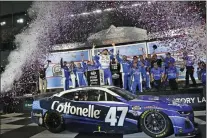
(189, 69)
(172, 75)
(154, 59)
(72, 74)
(42, 77)
(157, 76)
(125, 66)
(81, 78)
(203, 77)
(137, 75)
(65, 74)
(104, 59)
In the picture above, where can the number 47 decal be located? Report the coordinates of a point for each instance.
(112, 118)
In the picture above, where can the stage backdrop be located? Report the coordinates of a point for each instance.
(163, 48)
(54, 72)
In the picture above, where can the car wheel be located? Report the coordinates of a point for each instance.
(53, 121)
(156, 124)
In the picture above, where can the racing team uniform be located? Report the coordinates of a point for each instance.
(137, 75)
(167, 61)
(73, 76)
(125, 67)
(147, 72)
(104, 61)
(157, 74)
(203, 80)
(171, 73)
(81, 78)
(189, 71)
(65, 75)
(90, 67)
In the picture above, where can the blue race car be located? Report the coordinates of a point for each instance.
(109, 109)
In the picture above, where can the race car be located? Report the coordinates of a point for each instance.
(109, 109)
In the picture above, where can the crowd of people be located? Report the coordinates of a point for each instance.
(142, 72)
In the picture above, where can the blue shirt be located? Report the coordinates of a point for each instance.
(157, 73)
(203, 76)
(125, 66)
(137, 74)
(169, 60)
(171, 72)
(189, 61)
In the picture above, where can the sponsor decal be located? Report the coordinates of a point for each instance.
(161, 135)
(93, 73)
(191, 100)
(152, 107)
(37, 114)
(67, 108)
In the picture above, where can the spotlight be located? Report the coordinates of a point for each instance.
(97, 11)
(3, 23)
(20, 20)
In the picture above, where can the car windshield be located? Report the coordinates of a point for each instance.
(123, 93)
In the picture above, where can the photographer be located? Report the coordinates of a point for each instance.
(42, 78)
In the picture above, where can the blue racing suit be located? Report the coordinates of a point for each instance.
(171, 72)
(157, 75)
(104, 61)
(203, 76)
(125, 70)
(168, 60)
(137, 74)
(147, 72)
(65, 75)
(90, 67)
(80, 76)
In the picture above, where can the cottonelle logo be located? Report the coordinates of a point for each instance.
(66, 108)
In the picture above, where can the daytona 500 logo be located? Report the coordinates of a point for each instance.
(73, 110)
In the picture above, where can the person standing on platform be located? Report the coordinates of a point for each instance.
(154, 59)
(115, 70)
(104, 59)
(168, 60)
(157, 76)
(137, 75)
(42, 77)
(172, 74)
(65, 74)
(189, 69)
(72, 74)
(90, 65)
(80, 74)
(125, 67)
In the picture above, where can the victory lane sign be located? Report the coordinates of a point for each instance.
(95, 77)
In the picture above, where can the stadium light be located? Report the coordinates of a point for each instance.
(135, 5)
(85, 13)
(3, 23)
(97, 11)
(20, 20)
(121, 7)
(109, 9)
(72, 15)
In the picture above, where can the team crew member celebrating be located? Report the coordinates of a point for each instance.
(81, 78)
(65, 74)
(136, 78)
(168, 60)
(157, 76)
(172, 76)
(72, 74)
(189, 69)
(125, 66)
(42, 78)
(104, 59)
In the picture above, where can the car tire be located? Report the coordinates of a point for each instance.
(151, 119)
(53, 121)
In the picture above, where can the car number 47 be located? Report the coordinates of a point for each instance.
(111, 116)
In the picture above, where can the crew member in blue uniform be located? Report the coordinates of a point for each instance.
(168, 60)
(80, 75)
(157, 76)
(104, 60)
(72, 74)
(65, 74)
(90, 65)
(203, 77)
(137, 75)
(171, 74)
(189, 69)
(125, 67)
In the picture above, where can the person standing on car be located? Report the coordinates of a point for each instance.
(157, 76)
(171, 74)
(125, 67)
(104, 60)
(115, 70)
(65, 74)
(137, 75)
(42, 77)
(189, 69)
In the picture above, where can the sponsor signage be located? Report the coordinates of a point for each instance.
(95, 77)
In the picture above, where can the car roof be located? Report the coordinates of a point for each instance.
(104, 88)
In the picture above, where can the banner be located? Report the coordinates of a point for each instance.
(54, 71)
(95, 77)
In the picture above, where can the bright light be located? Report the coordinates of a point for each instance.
(149, 2)
(121, 7)
(109, 9)
(85, 13)
(3, 23)
(97, 11)
(20, 20)
(72, 15)
(135, 5)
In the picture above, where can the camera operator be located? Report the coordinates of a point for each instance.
(42, 78)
